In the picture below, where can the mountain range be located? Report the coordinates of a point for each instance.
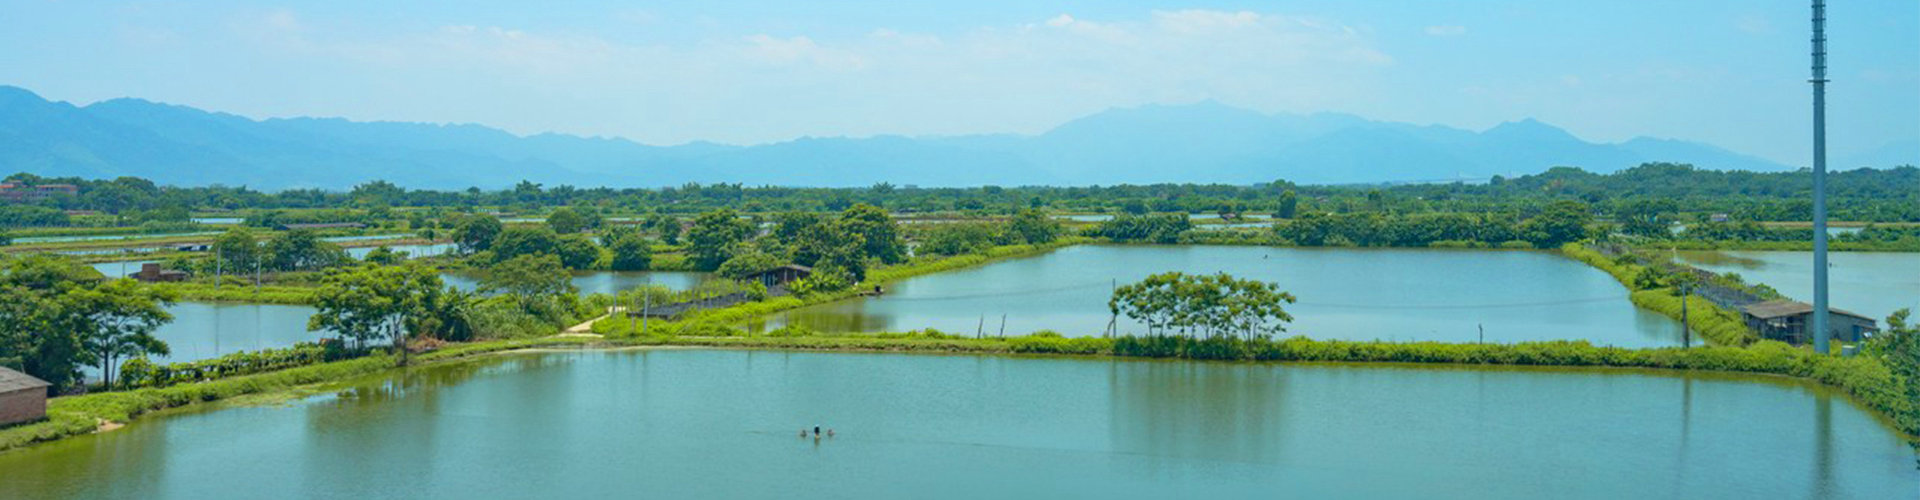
(1202, 142)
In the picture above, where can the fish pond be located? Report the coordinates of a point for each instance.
(1356, 294)
(726, 424)
(203, 331)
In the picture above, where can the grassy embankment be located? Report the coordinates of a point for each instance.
(1714, 323)
(206, 292)
(718, 319)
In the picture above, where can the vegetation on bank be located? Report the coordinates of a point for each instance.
(1872, 380)
(238, 292)
(75, 415)
(718, 320)
(1653, 290)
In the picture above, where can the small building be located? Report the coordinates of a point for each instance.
(1787, 321)
(323, 225)
(152, 273)
(23, 398)
(1717, 217)
(780, 276)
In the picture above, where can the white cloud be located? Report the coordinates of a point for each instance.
(1446, 30)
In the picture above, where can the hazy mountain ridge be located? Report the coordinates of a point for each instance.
(1202, 142)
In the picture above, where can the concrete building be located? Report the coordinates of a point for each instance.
(1787, 321)
(23, 398)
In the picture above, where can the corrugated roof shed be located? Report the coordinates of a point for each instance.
(1783, 308)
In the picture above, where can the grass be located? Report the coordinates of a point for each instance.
(1714, 323)
(205, 292)
(1710, 321)
(715, 319)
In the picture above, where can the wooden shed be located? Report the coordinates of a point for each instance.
(23, 398)
(1788, 320)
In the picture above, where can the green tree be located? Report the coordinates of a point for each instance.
(56, 316)
(120, 317)
(1213, 306)
(476, 232)
(879, 235)
(301, 250)
(566, 221)
(834, 245)
(238, 250)
(517, 241)
(715, 237)
(631, 252)
(957, 239)
(371, 303)
(666, 226)
(1034, 227)
(1563, 222)
(749, 263)
(385, 256)
(528, 278)
(1288, 206)
(576, 251)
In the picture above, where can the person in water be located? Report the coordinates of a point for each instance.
(829, 433)
(816, 431)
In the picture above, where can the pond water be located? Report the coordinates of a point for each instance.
(1874, 284)
(204, 331)
(724, 424)
(411, 250)
(1360, 294)
(607, 282)
(120, 269)
(368, 237)
(218, 220)
(106, 237)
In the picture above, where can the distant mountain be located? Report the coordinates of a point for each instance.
(1203, 142)
(1896, 153)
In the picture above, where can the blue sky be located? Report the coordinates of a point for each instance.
(1732, 73)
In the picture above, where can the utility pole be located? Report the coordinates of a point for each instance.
(1003, 324)
(1820, 333)
(1686, 329)
(1483, 333)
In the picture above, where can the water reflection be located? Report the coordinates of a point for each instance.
(1172, 410)
(702, 423)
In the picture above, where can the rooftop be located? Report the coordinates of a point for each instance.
(13, 381)
(1782, 308)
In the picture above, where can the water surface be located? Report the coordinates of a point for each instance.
(1361, 294)
(724, 424)
(1874, 284)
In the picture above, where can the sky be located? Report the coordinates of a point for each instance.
(1728, 72)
